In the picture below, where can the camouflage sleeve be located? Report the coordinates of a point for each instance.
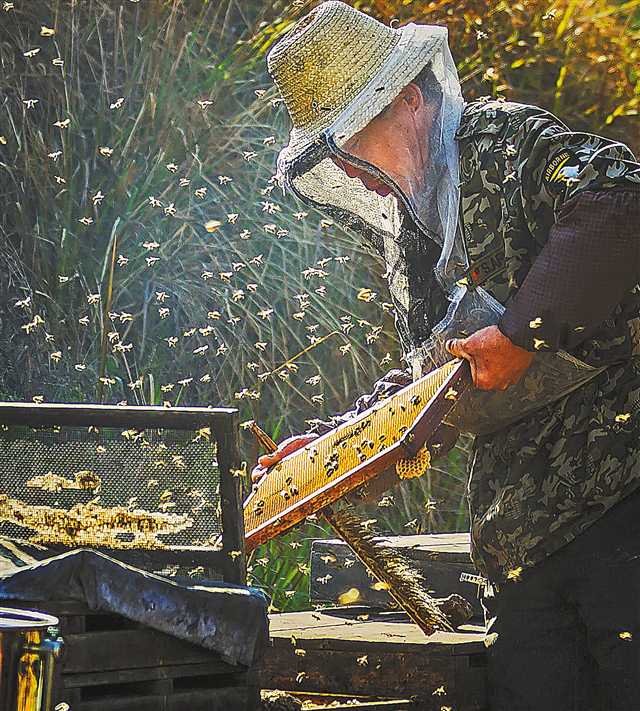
(553, 164)
(579, 197)
(389, 384)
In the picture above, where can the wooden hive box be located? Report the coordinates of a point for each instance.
(441, 557)
(359, 652)
(109, 662)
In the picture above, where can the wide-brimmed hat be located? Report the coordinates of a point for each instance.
(337, 68)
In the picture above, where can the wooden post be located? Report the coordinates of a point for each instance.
(233, 546)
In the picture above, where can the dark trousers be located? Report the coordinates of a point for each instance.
(566, 637)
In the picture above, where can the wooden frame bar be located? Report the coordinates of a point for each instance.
(230, 562)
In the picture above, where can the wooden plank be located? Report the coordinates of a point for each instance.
(339, 702)
(382, 631)
(212, 560)
(128, 649)
(440, 557)
(83, 415)
(215, 667)
(226, 699)
(234, 560)
(366, 673)
(450, 547)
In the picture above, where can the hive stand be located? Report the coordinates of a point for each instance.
(371, 650)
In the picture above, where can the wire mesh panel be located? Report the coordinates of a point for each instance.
(119, 479)
(110, 487)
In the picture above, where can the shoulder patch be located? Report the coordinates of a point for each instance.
(561, 168)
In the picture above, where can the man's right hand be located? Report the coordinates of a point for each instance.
(285, 447)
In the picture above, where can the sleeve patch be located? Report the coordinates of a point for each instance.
(561, 168)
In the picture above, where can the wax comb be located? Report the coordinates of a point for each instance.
(401, 431)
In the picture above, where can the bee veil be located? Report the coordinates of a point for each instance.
(339, 72)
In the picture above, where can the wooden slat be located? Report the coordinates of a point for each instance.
(215, 667)
(234, 557)
(441, 558)
(322, 630)
(339, 702)
(212, 560)
(401, 674)
(83, 415)
(377, 657)
(228, 699)
(128, 649)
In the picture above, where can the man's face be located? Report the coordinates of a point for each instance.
(394, 142)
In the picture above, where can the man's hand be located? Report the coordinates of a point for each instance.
(496, 362)
(285, 447)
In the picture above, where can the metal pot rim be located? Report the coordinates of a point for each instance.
(19, 619)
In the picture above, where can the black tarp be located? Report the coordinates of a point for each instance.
(225, 618)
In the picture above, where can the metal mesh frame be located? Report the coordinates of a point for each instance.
(148, 485)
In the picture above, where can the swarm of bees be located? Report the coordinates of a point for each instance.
(274, 299)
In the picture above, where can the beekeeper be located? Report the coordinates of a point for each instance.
(506, 236)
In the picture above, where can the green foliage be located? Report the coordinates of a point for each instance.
(577, 58)
(133, 269)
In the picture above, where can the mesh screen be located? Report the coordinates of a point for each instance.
(109, 488)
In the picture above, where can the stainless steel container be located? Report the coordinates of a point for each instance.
(29, 646)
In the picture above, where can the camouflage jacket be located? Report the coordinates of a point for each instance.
(535, 485)
(538, 483)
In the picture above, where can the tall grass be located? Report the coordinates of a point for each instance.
(146, 255)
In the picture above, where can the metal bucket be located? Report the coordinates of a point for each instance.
(29, 646)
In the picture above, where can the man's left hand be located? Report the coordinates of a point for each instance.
(496, 362)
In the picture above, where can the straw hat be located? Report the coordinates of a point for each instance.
(337, 68)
